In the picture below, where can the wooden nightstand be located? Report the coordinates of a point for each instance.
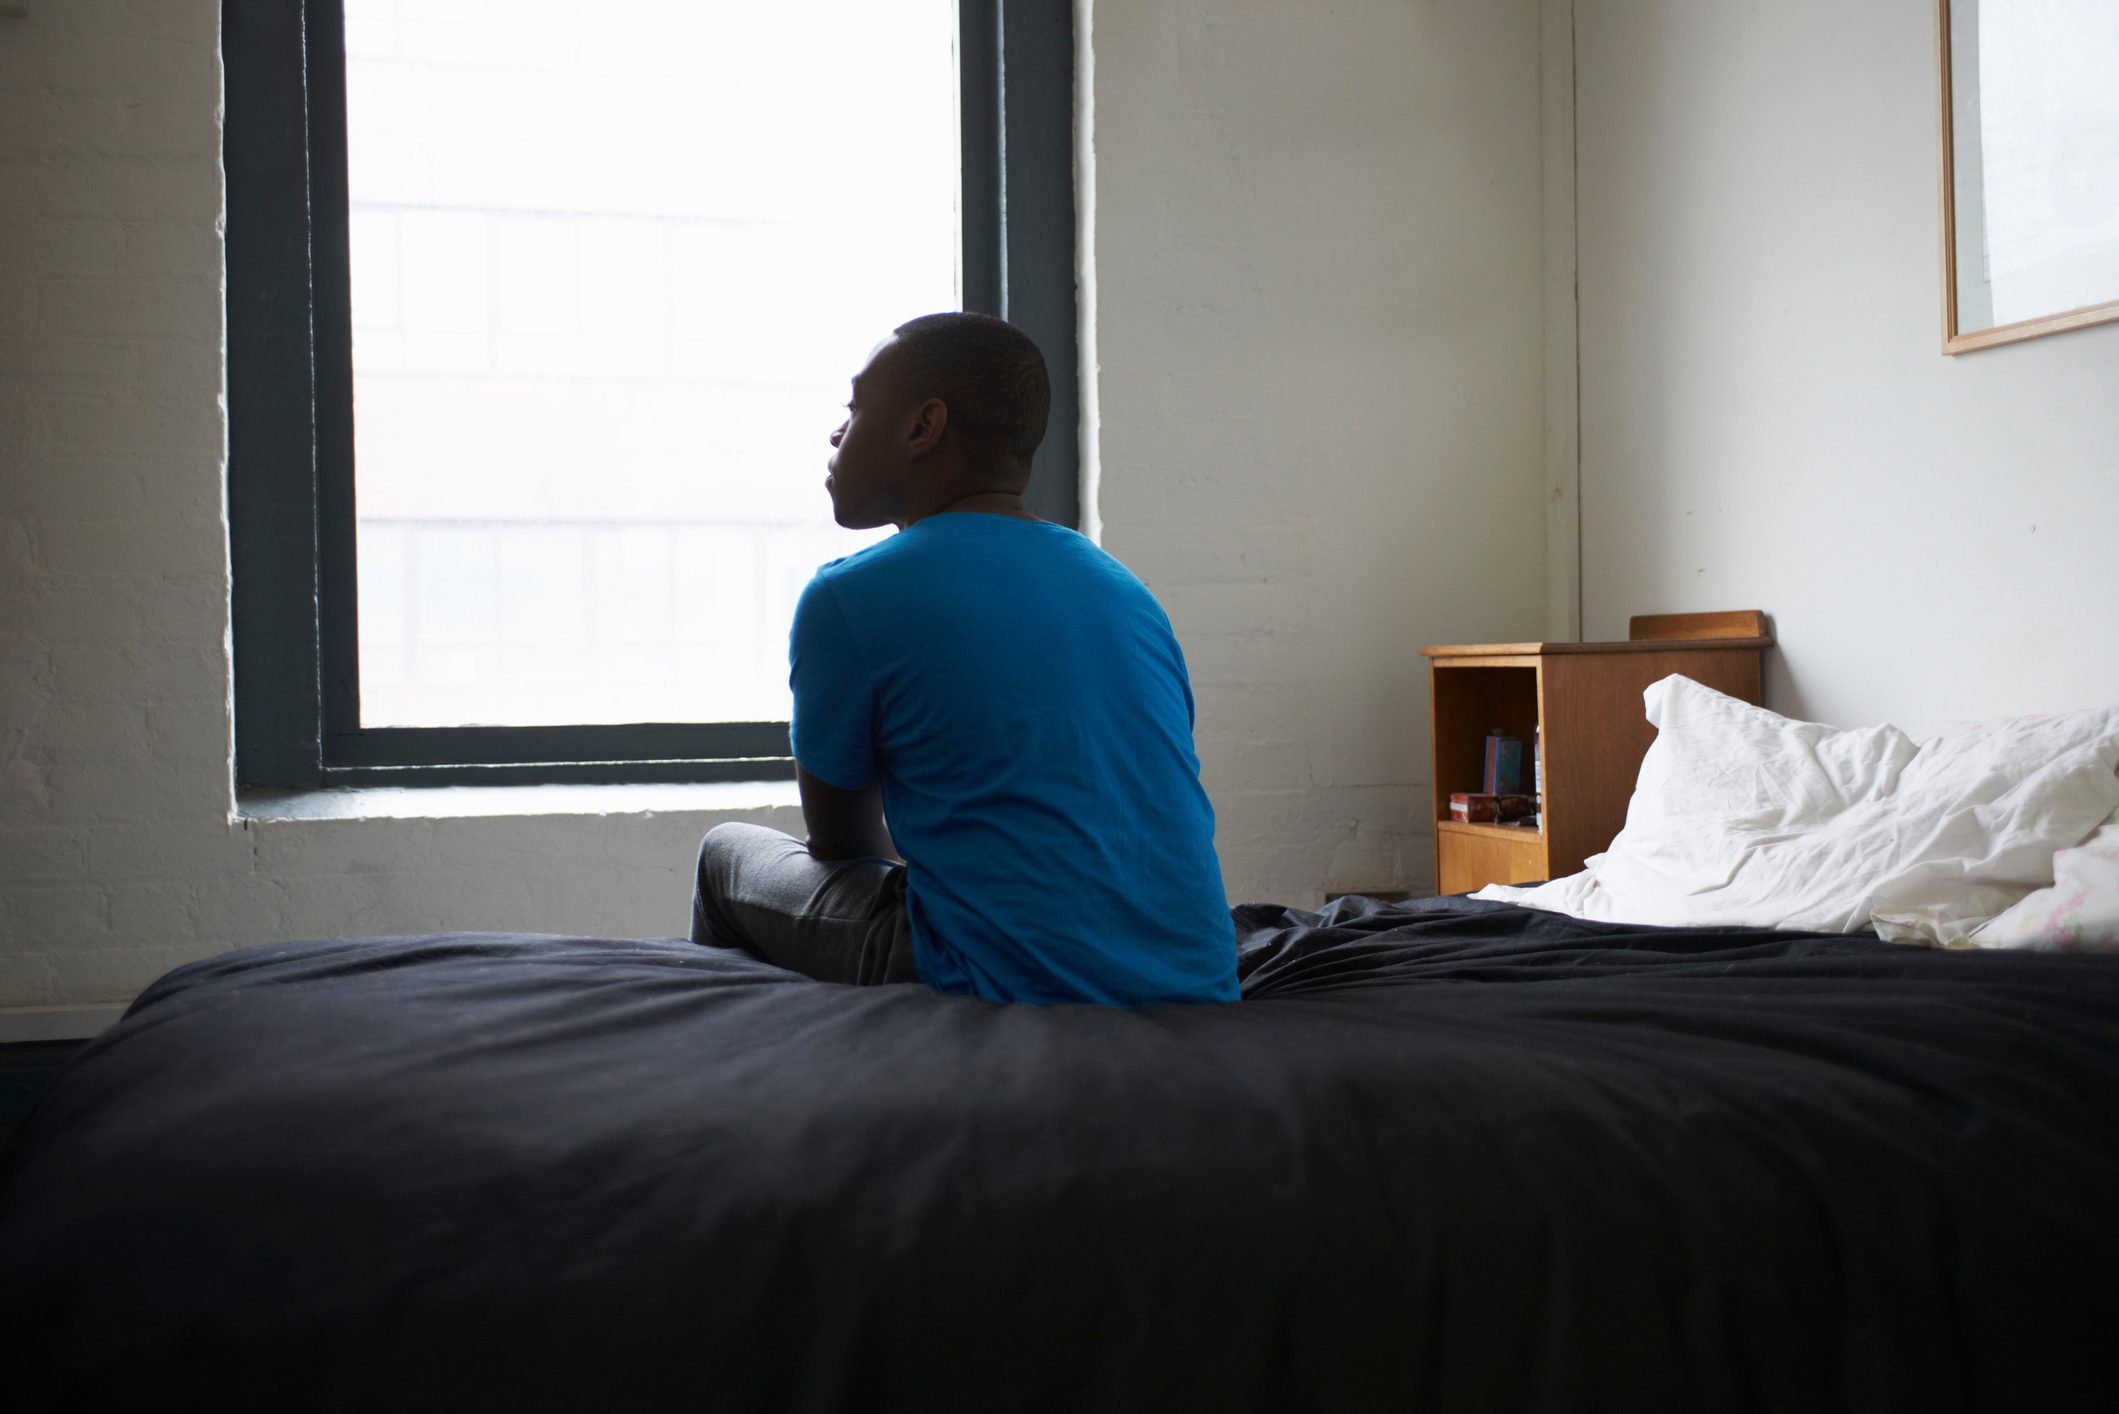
(1583, 700)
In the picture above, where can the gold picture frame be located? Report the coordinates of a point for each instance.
(1968, 279)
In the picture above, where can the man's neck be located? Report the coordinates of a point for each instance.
(992, 503)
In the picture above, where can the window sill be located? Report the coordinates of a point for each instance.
(464, 802)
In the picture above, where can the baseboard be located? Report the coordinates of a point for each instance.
(56, 1023)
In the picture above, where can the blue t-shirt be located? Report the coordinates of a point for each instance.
(1022, 701)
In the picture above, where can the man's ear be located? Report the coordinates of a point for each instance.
(929, 421)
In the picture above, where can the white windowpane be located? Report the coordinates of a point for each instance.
(373, 241)
(455, 585)
(537, 271)
(443, 256)
(544, 591)
(612, 267)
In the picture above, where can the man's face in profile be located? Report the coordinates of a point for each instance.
(870, 469)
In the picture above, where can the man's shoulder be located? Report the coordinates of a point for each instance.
(848, 572)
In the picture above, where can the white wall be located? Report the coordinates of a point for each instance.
(1767, 421)
(1317, 238)
(1318, 323)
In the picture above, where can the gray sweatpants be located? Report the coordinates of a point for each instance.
(763, 892)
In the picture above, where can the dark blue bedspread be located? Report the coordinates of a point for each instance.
(1445, 1156)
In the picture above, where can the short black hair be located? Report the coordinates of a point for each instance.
(987, 372)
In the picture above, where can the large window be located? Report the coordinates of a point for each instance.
(539, 316)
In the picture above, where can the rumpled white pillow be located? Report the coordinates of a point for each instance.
(1744, 817)
(2079, 913)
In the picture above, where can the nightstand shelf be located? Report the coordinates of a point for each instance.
(1513, 834)
(1583, 702)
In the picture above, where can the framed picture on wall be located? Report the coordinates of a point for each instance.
(2030, 167)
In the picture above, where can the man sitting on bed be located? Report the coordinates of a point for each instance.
(998, 697)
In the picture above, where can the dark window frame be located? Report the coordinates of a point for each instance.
(290, 399)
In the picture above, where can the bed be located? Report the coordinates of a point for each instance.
(1449, 1155)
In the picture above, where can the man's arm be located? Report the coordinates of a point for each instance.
(843, 824)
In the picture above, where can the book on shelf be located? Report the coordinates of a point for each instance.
(1504, 765)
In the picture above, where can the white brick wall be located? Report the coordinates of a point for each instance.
(1319, 323)
(1318, 259)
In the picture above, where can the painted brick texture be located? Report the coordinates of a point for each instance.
(1318, 322)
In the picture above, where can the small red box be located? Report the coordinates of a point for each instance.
(1478, 807)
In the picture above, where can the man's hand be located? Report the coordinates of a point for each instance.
(843, 824)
